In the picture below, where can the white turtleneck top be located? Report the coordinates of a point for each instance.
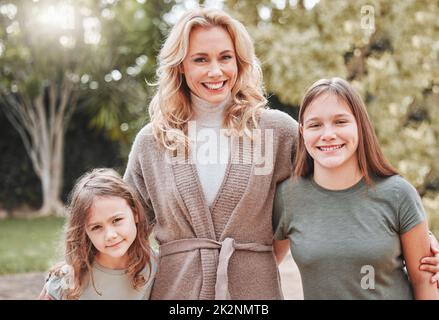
(211, 146)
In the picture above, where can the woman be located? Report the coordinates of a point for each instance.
(207, 165)
(353, 223)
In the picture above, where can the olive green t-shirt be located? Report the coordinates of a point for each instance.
(346, 243)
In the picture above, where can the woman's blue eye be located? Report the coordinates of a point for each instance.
(200, 59)
(228, 57)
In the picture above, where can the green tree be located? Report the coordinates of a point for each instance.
(56, 55)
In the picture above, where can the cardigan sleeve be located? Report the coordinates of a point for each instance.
(286, 132)
(133, 177)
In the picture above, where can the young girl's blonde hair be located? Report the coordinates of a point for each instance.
(79, 250)
(170, 108)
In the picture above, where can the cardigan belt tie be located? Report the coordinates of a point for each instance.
(227, 247)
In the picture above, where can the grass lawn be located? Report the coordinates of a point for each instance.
(29, 244)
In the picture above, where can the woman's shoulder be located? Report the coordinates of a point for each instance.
(277, 119)
(283, 126)
(144, 134)
(144, 142)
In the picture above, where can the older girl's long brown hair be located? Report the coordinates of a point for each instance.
(79, 250)
(371, 159)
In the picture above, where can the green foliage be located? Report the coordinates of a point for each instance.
(108, 62)
(50, 43)
(86, 148)
(29, 244)
(18, 183)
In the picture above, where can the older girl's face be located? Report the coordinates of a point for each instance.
(210, 67)
(330, 134)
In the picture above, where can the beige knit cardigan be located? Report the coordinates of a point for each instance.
(223, 251)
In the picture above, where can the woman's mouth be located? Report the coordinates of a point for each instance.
(214, 85)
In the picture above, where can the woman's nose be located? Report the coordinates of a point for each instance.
(214, 70)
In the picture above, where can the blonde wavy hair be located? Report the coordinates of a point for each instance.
(79, 250)
(170, 109)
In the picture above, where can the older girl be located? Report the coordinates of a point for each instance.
(353, 223)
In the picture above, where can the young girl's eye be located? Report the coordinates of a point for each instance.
(341, 121)
(95, 228)
(200, 59)
(313, 125)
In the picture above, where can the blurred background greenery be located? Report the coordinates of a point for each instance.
(73, 90)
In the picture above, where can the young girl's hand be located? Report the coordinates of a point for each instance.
(431, 264)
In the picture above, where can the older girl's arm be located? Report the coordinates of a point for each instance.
(280, 249)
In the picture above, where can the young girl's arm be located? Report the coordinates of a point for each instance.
(416, 245)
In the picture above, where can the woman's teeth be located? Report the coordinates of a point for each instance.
(214, 85)
(330, 148)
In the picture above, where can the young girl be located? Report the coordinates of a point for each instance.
(351, 220)
(107, 250)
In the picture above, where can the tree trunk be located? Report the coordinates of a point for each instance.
(42, 128)
(53, 159)
(51, 179)
(52, 204)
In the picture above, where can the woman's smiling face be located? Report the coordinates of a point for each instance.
(330, 133)
(210, 66)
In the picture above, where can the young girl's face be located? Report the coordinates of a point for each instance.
(111, 227)
(210, 67)
(330, 133)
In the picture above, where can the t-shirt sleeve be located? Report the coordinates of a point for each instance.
(411, 212)
(280, 227)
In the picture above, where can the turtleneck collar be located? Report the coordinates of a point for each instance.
(207, 114)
